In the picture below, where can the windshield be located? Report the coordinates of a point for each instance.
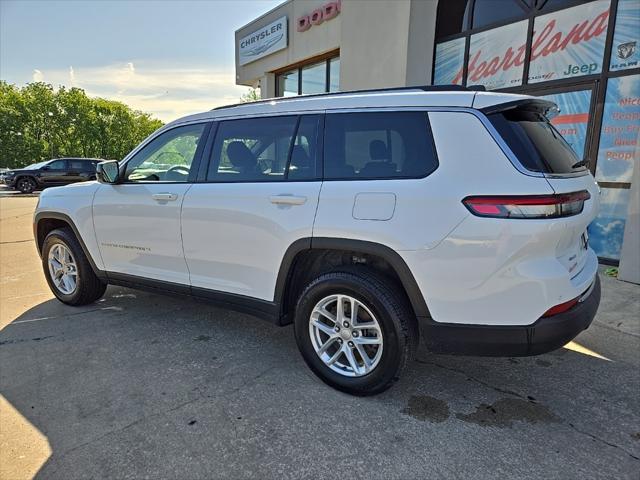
(35, 166)
(537, 144)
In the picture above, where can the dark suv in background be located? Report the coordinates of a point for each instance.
(52, 173)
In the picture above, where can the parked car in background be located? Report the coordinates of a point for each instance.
(369, 220)
(52, 173)
(3, 174)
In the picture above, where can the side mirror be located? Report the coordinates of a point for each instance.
(108, 172)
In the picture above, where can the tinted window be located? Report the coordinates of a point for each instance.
(334, 74)
(314, 78)
(452, 17)
(167, 157)
(57, 165)
(486, 12)
(378, 145)
(302, 165)
(265, 149)
(288, 84)
(537, 144)
(79, 165)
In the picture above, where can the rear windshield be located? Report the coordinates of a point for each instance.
(537, 144)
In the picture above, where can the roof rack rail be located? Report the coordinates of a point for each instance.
(424, 88)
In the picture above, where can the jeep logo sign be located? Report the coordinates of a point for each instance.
(263, 42)
(319, 15)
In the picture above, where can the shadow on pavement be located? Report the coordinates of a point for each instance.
(144, 385)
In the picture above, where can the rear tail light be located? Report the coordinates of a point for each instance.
(528, 206)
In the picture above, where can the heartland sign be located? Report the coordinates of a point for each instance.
(265, 41)
(565, 44)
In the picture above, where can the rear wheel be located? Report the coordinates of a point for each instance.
(355, 330)
(26, 185)
(68, 271)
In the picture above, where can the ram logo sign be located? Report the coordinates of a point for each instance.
(263, 42)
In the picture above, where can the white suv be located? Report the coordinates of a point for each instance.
(367, 219)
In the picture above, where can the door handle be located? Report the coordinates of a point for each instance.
(285, 199)
(164, 197)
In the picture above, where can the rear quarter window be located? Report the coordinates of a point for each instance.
(378, 145)
(535, 142)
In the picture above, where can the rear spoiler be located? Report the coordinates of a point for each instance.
(545, 107)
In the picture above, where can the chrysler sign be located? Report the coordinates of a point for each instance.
(263, 42)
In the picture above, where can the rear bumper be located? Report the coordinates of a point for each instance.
(545, 335)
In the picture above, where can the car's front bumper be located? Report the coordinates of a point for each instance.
(545, 335)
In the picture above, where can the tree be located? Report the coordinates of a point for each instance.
(251, 96)
(38, 123)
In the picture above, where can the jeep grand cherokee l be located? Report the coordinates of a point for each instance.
(369, 220)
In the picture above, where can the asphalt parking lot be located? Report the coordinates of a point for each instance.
(145, 386)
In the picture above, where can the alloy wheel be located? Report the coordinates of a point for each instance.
(63, 269)
(346, 335)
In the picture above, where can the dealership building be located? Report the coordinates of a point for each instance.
(582, 55)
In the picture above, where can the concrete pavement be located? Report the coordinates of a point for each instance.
(144, 386)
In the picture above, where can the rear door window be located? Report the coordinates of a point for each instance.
(266, 149)
(378, 145)
(535, 142)
(78, 165)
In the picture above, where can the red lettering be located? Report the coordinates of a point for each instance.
(539, 40)
(545, 42)
(493, 66)
(304, 23)
(319, 15)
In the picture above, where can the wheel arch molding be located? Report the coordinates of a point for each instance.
(307, 245)
(59, 220)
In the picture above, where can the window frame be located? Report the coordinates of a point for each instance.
(298, 67)
(208, 162)
(424, 110)
(194, 169)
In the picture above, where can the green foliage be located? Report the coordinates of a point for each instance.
(38, 123)
(251, 96)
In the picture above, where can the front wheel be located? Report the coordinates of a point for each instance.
(355, 330)
(68, 271)
(26, 185)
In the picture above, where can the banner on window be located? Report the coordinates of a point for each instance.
(496, 57)
(619, 150)
(624, 51)
(569, 43)
(449, 61)
(606, 232)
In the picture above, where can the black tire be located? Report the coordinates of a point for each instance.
(89, 287)
(26, 185)
(387, 301)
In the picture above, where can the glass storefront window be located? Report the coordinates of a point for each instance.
(314, 78)
(310, 79)
(449, 61)
(486, 12)
(569, 43)
(573, 118)
(288, 84)
(619, 150)
(607, 230)
(496, 57)
(334, 74)
(624, 50)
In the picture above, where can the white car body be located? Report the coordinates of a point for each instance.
(231, 240)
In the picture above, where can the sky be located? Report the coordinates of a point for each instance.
(169, 58)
